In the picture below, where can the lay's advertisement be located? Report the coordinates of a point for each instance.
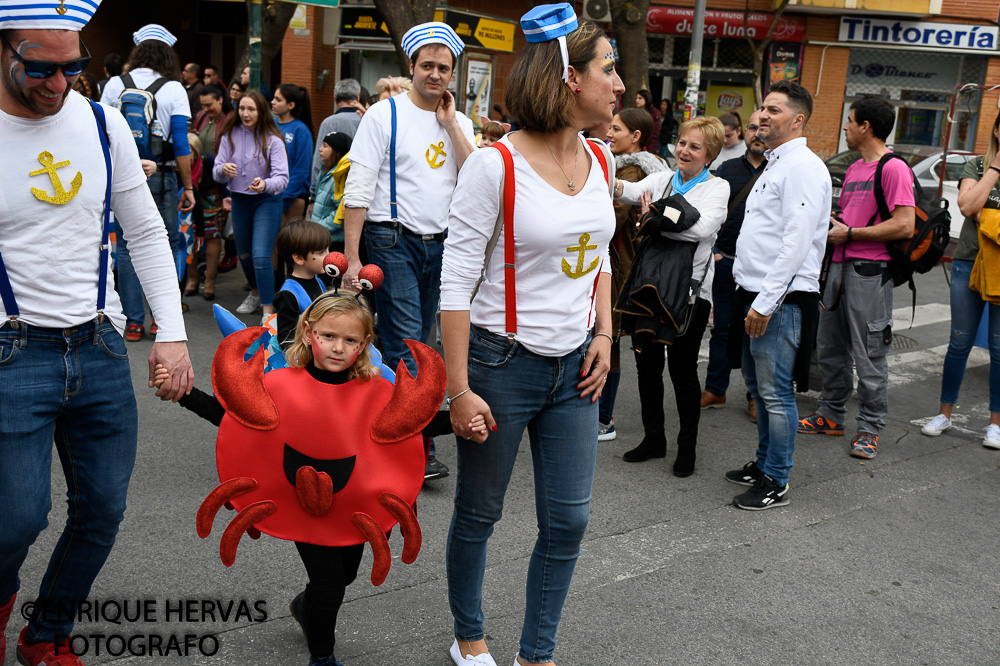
(726, 99)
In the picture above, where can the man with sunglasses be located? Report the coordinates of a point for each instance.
(64, 373)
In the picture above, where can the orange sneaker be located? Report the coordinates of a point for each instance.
(133, 332)
(815, 424)
(752, 410)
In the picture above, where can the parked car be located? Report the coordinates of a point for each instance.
(926, 165)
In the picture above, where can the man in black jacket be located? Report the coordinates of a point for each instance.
(738, 171)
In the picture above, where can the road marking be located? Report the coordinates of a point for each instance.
(930, 313)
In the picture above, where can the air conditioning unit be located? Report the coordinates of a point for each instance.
(597, 10)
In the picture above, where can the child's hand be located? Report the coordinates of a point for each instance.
(478, 426)
(161, 376)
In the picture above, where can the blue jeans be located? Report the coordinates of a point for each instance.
(966, 312)
(537, 393)
(408, 299)
(72, 386)
(163, 186)
(606, 403)
(768, 364)
(723, 288)
(256, 222)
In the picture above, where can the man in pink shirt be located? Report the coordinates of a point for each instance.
(855, 326)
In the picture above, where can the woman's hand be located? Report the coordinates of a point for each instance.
(227, 204)
(644, 200)
(595, 368)
(471, 416)
(257, 185)
(229, 170)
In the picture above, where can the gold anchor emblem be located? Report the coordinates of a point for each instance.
(61, 9)
(582, 249)
(61, 196)
(438, 150)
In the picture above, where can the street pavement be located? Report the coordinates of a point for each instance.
(888, 561)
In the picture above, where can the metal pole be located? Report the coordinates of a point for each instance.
(255, 30)
(694, 64)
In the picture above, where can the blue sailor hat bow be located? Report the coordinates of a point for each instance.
(546, 22)
(46, 15)
(153, 31)
(434, 32)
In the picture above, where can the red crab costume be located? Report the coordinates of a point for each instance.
(327, 464)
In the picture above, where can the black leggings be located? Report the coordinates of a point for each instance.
(682, 363)
(331, 569)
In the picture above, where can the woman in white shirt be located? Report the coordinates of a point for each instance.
(699, 142)
(536, 338)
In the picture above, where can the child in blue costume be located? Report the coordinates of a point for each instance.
(303, 246)
(294, 118)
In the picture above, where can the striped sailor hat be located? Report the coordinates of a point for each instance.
(47, 14)
(153, 31)
(546, 22)
(434, 32)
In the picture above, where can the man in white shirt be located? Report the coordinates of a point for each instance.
(64, 372)
(778, 257)
(405, 237)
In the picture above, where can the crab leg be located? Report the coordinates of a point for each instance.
(243, 522)
(224, 492)
(408, 525)
(380, 546)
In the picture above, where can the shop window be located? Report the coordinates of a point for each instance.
(734, 54)
(682, 52)
(656, 44)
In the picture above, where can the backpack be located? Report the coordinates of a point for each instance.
(931, 230)
(139, 108)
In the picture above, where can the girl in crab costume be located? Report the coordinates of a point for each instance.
(337, 456)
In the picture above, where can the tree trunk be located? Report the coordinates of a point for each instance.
(760, 48)
(401, 16)
(274, 23)
(629, 18)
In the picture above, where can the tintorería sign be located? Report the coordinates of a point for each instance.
(918, 33)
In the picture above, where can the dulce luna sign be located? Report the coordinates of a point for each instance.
(680, 21)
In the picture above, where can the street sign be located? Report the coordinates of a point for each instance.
(316, 3)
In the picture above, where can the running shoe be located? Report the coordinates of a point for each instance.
(606, 431)
(864, 445)
(4, 617)
(747, 475)
(133, 332)
(765, 494)
(816, 424)
(46, 654)
(249, 304)
(992, 439)
(937, 425)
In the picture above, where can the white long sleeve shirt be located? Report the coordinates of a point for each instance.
(711, 198)
(561, 246)
(52, 220)
(781, 244)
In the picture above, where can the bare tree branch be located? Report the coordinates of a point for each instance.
(400, 17)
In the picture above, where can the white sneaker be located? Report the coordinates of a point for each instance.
(606, 431)
(992, 439)
(249, 304)
(471, 659)
(937, 425)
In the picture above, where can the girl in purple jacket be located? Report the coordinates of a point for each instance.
(253, 163)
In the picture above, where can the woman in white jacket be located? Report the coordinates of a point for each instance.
(699, 142)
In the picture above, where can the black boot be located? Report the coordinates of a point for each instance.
(650, 447)
(684, 464)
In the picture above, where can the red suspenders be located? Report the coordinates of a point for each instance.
(510, 286)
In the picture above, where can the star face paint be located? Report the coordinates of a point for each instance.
(336, 341)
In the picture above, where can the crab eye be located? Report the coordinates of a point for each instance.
(370, 277)
(335, 264)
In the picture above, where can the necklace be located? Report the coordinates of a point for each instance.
(569, 184)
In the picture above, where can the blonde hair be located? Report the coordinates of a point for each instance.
(392, 85)
(299, 354)
(711, 128)
(994, 147)
(196, 148)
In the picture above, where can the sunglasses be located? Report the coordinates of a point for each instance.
(43, 69)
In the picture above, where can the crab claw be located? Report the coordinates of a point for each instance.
(335, 264)
(315, 490)
(224, 492)
(414, 402)
(380, 546)
(243, 522)
(408, 525)
(370, 277)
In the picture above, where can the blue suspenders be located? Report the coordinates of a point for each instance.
(392, 164)
(7, 292)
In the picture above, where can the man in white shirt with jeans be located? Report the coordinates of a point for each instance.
(778, 258)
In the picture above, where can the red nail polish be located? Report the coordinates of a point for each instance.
(583, 374)
(494, 427)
